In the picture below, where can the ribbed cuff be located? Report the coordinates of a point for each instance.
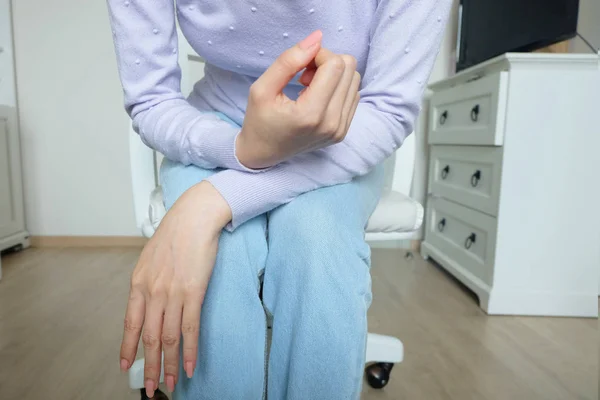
(217, 147)
(250, 195)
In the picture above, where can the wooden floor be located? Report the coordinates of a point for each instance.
(61, 313)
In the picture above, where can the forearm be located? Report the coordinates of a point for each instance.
(151, 80)
(186, 135)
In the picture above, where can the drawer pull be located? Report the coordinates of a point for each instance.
(443, 117)
(442, 225)
(445, 171)
(470, 240)
(475, 113)
(475, 178)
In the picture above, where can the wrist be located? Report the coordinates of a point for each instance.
(211, 206)
(243, 151)
(253, 154)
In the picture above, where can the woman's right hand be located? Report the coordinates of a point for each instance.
(168, 285)
(276, 128)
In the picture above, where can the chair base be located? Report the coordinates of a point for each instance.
(380, 349)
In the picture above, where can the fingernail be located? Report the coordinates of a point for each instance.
(311, 40)
(124, 364)
(189, 369)
(149, 388)
(170, 381)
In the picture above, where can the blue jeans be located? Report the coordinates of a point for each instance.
(312, 261)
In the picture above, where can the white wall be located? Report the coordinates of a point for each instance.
(7, 84)
(74, 132)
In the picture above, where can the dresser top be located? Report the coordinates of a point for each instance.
(511, 61)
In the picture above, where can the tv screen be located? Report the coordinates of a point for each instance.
(488, 28)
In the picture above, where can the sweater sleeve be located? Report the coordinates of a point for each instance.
(405, 41)
(145, 38)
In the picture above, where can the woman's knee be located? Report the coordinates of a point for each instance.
(317, 223)
(320, 249)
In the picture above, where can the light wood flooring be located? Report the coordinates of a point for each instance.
(61, 314)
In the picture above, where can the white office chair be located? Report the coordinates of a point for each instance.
(397, 217)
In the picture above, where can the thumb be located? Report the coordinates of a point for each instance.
(288, 64)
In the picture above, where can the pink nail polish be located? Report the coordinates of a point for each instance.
(149, 385)
(311, 40)
(170, 381)
(124, 364)
(189, 369)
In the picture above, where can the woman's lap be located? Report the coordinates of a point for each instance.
(312, 260)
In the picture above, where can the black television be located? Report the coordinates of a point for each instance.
(488, 28)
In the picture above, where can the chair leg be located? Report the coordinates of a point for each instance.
(383, 352)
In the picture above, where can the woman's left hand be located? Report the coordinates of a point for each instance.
(168, 285)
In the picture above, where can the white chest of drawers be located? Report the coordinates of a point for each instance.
(513, 208)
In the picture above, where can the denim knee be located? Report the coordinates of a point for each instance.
(320, 247)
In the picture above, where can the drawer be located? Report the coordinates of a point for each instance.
(466, 236)
(468, 175)
(472, 113)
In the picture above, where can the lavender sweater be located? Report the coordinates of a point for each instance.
(394, 41)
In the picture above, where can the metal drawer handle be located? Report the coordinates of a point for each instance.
(470, 240)
(442, 225)
(475, 178)
(445, 171)
(475, 113)
(443, 117)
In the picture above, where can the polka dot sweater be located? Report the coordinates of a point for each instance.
(394, 41)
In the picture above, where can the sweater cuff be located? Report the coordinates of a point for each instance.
(217, 149)
(249, 195)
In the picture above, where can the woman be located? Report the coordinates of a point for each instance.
(268, 188)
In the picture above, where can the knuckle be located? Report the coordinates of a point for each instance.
(339, 137)
(170, 340)
(136, 280)
(310, 120)
(130, 326)
(150, 342)
(287, 61)
(158, 291)
(151, 370)
(256, 92)
(350, 61)
(171, 367)
(189, 328)
(329, 128)
(337, 63)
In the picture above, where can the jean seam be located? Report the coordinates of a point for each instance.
(268, 316)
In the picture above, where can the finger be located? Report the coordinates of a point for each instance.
(134, 320)
(287, 65)
(307, 76)
(190, 328)
(171, 335)
(151, 341)
(327, 77)
(336, 105)
(351, 99)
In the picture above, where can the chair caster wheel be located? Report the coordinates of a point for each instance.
(378, 374)
(158, 395)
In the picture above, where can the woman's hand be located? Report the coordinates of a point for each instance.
(169, 282)
(276, 128)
